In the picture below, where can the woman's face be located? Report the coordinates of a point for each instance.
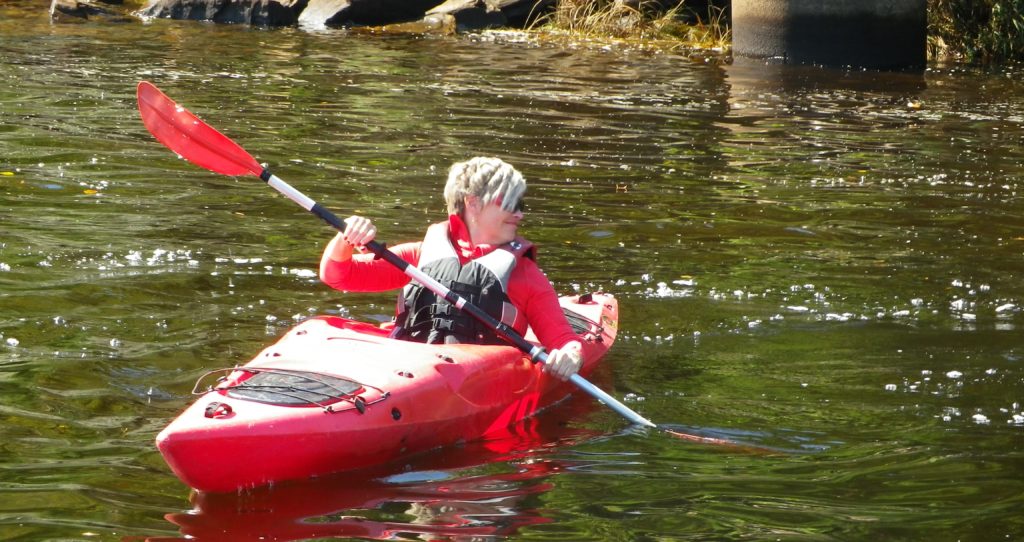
(490, 223)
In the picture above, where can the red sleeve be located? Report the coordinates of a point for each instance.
(531, 292)
(365, 274)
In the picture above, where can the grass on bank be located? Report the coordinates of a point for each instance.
(976, 31)
(639, 21)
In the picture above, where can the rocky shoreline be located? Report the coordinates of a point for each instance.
(416, 16)
(406, 15)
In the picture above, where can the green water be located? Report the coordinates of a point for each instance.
(821, 263)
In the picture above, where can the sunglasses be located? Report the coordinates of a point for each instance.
(518, 208)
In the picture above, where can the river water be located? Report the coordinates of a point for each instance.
(822, 265)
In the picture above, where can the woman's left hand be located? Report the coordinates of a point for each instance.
(565, 361)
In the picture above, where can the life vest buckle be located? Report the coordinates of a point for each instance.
(443, 324)
(442, 309)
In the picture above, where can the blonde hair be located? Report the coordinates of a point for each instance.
(485, 178)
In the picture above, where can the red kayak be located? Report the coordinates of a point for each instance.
(334, 395)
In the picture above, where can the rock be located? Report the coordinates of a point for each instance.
(443, 25)
(70, 10)
(64, 11)
(470, 15)
(324, 13)
(482, 14)
(332, 13)
(253, 12)
(198, 10)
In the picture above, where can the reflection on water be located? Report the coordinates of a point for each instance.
(819, 262)
(481, 506)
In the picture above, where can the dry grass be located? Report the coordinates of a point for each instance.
(618, 20)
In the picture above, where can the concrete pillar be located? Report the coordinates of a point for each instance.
(874, 34)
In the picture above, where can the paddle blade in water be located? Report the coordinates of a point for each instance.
(191, 138)
(698, 438)
(733, 445)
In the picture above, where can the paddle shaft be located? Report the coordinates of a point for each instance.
(536, 353)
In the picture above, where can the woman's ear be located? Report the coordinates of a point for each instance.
(472, 203)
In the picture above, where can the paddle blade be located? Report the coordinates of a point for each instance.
(726, 443)
(191, 138)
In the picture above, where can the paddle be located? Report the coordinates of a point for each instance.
(201, 144)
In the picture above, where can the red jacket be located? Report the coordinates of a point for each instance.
(528, 287)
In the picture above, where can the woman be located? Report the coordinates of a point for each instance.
(477, 254)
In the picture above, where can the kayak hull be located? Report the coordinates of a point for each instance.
(400, 398)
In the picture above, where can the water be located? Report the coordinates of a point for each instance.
(821, 264)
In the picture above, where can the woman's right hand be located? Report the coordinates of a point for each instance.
(359, 231)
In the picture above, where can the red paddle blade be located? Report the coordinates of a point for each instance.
(735, 446)
(191, 138)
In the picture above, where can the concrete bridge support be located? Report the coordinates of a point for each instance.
(873, 34)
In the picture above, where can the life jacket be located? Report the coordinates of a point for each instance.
(422, 316)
